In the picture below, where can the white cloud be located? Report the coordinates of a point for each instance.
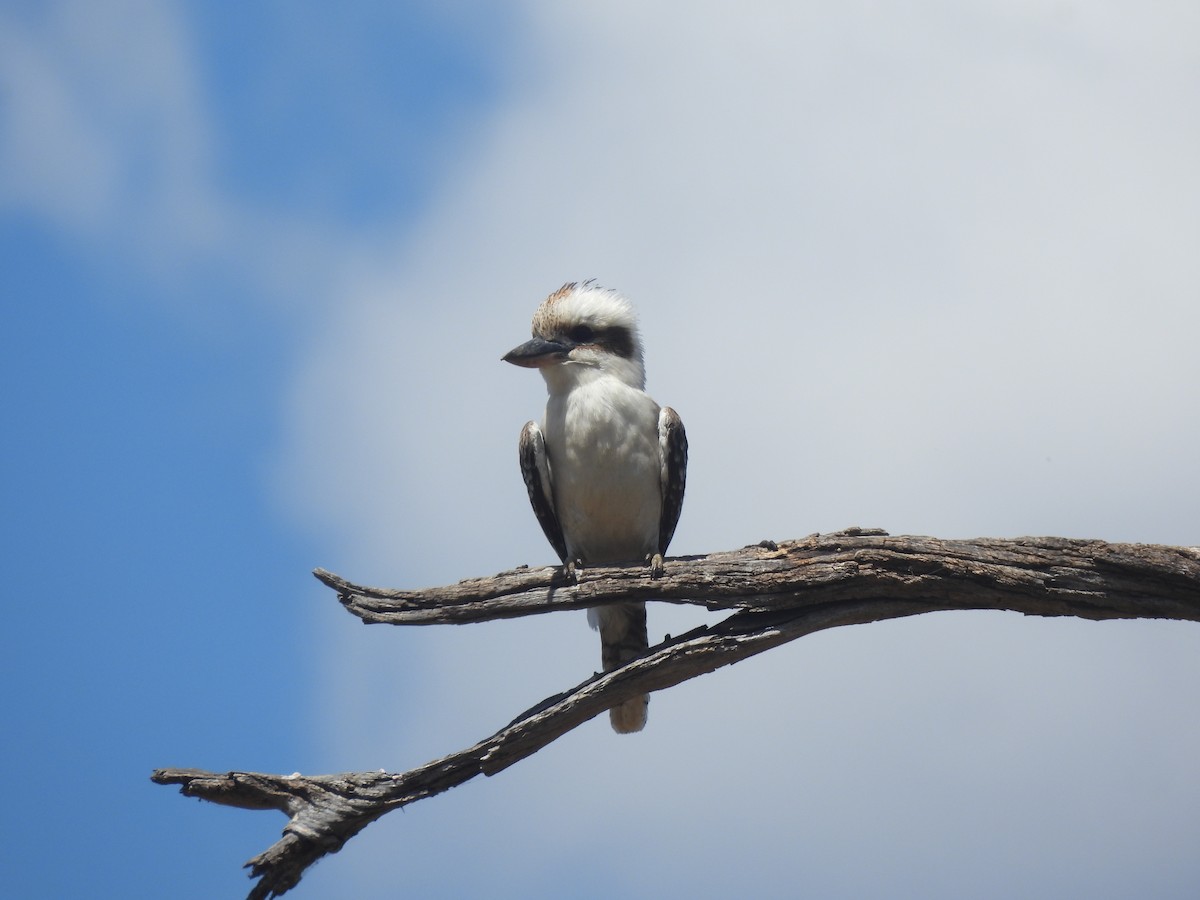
(103, 115)
(105, 135)
(931, 272)
(931, 269)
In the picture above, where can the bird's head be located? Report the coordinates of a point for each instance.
(582, 332)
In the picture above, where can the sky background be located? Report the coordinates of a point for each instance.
(929, 267)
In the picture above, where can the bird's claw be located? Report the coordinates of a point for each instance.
(656, 566)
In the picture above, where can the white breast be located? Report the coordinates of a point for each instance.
(602, 440)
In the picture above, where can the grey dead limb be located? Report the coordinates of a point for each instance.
(774, 592)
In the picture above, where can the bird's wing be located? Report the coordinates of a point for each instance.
(672, 441)
(535, 469)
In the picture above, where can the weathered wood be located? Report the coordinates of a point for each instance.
(1038, 576)
(778, 592)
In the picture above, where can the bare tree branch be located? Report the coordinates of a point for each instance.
(779, 592)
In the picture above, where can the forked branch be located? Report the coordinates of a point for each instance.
(778, 592)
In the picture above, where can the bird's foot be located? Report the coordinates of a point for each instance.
(656, 566)
(572, 570)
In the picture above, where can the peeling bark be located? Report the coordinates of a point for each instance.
(776, 592)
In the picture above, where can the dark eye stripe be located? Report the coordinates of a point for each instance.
(618, 340)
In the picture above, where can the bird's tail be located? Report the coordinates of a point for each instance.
(622, 637)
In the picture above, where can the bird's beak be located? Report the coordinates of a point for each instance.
(537, 353)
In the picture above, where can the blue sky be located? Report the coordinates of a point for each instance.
(930, 270)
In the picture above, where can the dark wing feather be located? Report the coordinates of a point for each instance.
(672, 440)
(535, 469)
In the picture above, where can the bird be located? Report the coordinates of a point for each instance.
(606, 468)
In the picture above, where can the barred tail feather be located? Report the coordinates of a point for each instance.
(623, 637)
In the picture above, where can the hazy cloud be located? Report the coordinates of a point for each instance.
(929, 269)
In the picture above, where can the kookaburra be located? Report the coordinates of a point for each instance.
(605, 470)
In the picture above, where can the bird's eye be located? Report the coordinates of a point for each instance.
(581, 334)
